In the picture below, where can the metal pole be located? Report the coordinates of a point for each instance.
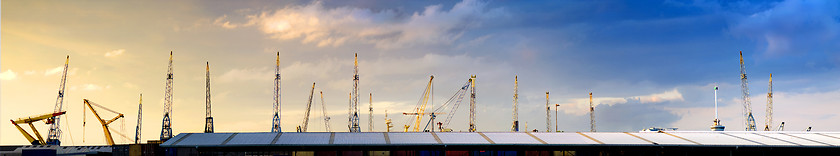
(555, 118)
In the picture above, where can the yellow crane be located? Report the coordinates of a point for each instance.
(108, 138)
(30, 120)
(421, 108)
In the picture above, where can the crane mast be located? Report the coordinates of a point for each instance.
(370, 113)
(324, 111)
(768, 120)
(275, 122)
(591, 114)
(472, 104)
(421, 109)
(305, 123)
(139, 121)
(749, 121)
(547, 114)
(55, 130)
(208, 122)
(354, 104)
(515, 126)
(166, 129)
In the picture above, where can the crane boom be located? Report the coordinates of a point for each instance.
(324, 111)
(139, 121)
(423, 101)
(305, 123)
(30, 120)
(54, 135)
(472, 104)
(275, 121)
(166, 128)
(749, 121)
(108, 138)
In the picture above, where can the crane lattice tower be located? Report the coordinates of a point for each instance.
(768, 120)
(749, 121)
(547, 114)
(208, 120)
(354, 104)
(275, 121)
(370, 113)
(472, 104)
(166, 128)
(55, 131)
(591, 114)
(515, 126)
(139, 121)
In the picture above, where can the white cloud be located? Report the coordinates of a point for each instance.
(385, 29)
(91, 87)
(115, 53)
(53, 71)
(8, 75)
(580, 106)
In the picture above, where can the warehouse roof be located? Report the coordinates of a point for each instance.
(490, 139)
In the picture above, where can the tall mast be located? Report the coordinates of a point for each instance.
(768, 120)
(275, 122)
(515, 126)
(591, 114)
(324, 111)
(166, 129)
(139, 121)
(370, 113)
(749, 121)
(55, 131)
(472, 104)
(208, 124)
(354, 104)
(547, 114)
(717, 126)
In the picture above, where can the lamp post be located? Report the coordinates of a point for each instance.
(555, 118)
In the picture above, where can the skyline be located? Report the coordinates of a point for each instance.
(651, 63)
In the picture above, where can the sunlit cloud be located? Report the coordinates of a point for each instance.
(115, 53)
(8, 75)
(315, 24)
(580, 106)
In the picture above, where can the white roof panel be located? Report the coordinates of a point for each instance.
(292, 138)
(564, 138)
(461, 138)
(662, 138)
(818, 138)
(511, 138)
(412, 138)
(616, 138)
(252, 138)
(359, 138)
(793, 139)
(713, 138)
(205, 139)
(757, 137)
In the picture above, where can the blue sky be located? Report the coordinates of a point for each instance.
(648, 63)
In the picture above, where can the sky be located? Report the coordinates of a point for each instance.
(647, 63)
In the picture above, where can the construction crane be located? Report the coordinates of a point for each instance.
(768, 120)
(54, 136)
(275, 121)
(139, 121)
(420, 108)
(305, 123)
(370, 113)
(354, 104)
(591, 114)
(108, 139)
(208, 122)
(387, 122)
(515, 126)
(324, 111)
(547, 114)
(452, 104)
(166, 128)
(745, 92)
(472, 104)
(30, 120)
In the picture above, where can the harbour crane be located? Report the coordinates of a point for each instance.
(768, 120)
(452, 104)
(275, 121)
(305, 123)
(139, 121)
(354, 104)
(370, 113)
(515, 125)
(547, 114)
(324, 111)
(208, 120)
(591, 114)
(388, 125)
(420, 109)
(472, 104)
(54, 136)
(108, 139)
(745, 97)
(30, 120)
(166, 127)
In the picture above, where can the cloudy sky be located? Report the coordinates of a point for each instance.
(648, 63)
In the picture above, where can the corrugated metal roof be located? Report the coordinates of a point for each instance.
(672, 138)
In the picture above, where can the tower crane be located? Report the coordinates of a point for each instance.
(515, 126)
(275, 121)
(108, 139)
(166, 128)
(452, 104)
(354, 104)
(30, 120)
(324, 111)
(591, 114)
(745, 92)
(370, 113)
(305, 123)
(208, 120)
(387, 122)
(139, 121)
(55, 130)
(472, 104)
(768, 120)
(420, 109)
(547, 114)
